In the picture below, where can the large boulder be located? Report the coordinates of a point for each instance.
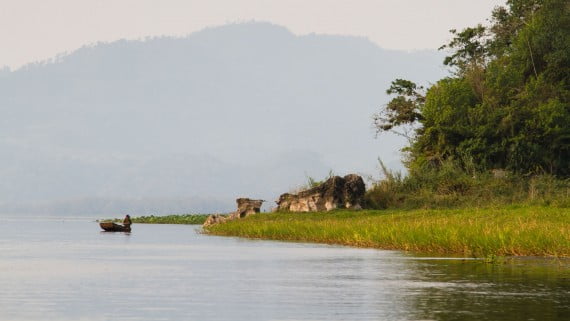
(336, 192)
(246, 207)
(215, 219)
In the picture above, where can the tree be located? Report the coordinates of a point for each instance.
(507, 104)
(402, 112)
(468, 48)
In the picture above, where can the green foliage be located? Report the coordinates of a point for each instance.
(312, 182)
(507, 106)
(448, 120)
(528, 231)
(404, 110)
(468, 46)
(450, 185)
(171, 219)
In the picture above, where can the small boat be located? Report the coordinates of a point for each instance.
(113, 227)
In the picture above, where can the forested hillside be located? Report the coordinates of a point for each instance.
(169, 124)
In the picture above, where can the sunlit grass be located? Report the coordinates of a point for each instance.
(506, 231)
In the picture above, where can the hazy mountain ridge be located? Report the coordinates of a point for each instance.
(239, 110)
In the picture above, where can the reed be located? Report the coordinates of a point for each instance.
(476, 232)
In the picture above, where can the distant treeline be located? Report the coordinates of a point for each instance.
(171, 219)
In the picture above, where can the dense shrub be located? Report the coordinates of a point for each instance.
(449, 185)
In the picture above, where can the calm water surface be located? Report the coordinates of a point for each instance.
(65, 269)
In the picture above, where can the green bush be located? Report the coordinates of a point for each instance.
(449, 185)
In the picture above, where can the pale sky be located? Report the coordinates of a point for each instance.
(32, 30)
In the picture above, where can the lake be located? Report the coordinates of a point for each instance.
(66, 269)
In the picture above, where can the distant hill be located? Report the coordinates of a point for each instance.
(238, 110)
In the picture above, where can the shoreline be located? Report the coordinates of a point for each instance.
(509, 231)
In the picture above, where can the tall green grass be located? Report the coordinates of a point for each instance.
(450, 185)
(478, 232)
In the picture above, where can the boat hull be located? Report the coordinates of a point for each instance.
(113, 227)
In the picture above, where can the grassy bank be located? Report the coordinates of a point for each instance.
(171, 219)
(503, 231)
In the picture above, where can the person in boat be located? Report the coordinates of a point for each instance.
(127, 221)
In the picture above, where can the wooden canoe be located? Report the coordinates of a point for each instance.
(113, 227)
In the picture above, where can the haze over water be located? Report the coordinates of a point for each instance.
(66, 269)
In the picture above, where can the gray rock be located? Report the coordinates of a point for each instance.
(336, 192)
(215, 219)
(246, 207)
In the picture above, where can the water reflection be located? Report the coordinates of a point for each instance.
(522, 290)
(67, 270)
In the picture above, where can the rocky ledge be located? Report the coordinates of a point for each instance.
(245, 208)
(336, 192)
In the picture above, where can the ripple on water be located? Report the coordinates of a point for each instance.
(67, 270)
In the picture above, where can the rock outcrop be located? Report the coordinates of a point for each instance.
(336, 192)
(215, 219)
(246, 207)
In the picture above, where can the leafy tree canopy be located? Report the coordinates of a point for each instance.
(507, 102)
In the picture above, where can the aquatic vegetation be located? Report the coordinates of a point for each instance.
(171, 219)
(476, 232)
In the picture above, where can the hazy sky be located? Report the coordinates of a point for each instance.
(33, 30)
